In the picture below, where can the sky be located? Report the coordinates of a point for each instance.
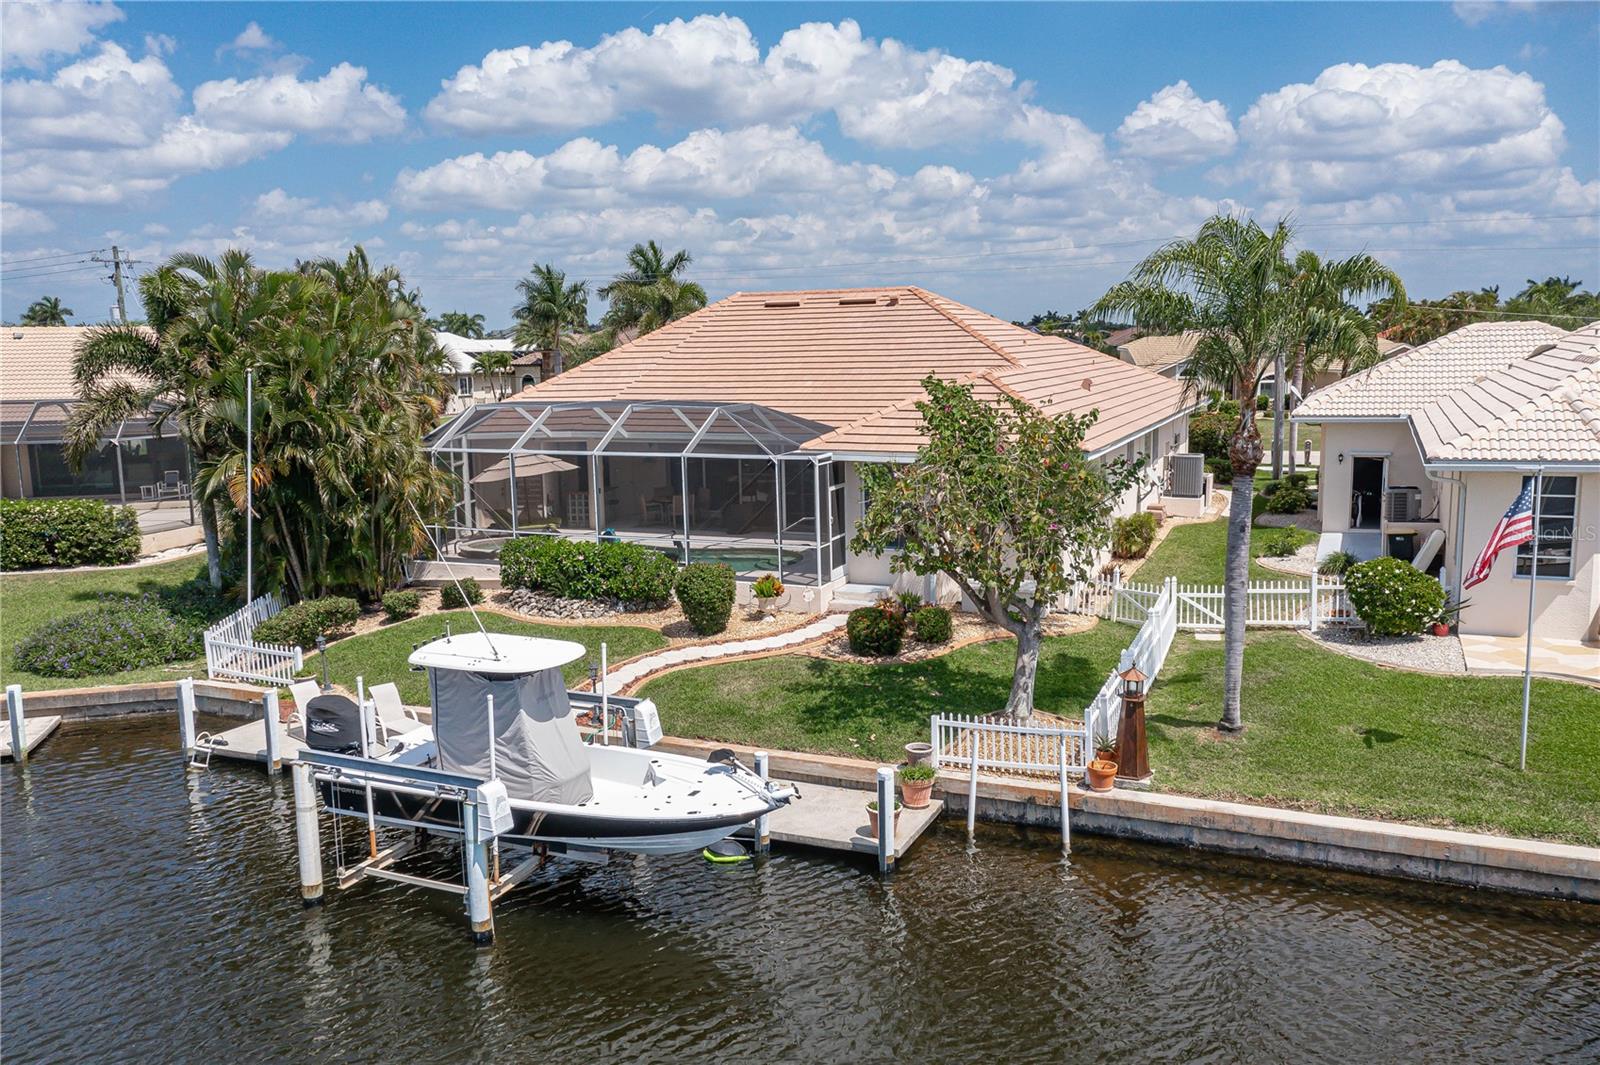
(1016, 157)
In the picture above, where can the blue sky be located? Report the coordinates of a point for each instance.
(1016, 157)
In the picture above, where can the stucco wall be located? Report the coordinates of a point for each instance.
(1391, 440)
(1563, 609)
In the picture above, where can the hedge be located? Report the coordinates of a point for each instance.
(878, 631)
(116, 635)
(301, 624)
(401, 604)
(582, 569)
(1393, 597)
(452, 597)
(706, 591)
(66, 532)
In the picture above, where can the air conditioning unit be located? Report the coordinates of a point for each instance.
(1405, 503)
(1186, 475)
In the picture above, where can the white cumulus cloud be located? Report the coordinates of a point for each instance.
(31, 33)
(340, 105)
(1176, 126)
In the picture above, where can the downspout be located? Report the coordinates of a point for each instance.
(1459, 480)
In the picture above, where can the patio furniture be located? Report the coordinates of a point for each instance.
(171, 486)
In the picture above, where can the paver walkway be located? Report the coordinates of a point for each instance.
(635, 671)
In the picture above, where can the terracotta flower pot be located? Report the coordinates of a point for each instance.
(873, 818)
(1102, 775)
(915, 794)
(1441, 628)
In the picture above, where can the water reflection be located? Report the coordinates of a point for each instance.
(150, 916)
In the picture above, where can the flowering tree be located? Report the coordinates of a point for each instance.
(1003, 501)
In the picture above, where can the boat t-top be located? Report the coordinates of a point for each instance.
(503, 727)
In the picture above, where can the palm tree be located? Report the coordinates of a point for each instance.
(1325, 329)
(491, 364)
(207, 319)
(651, 292)
(46, 310)
(460, 323)
(550, 308)
(1226, 284)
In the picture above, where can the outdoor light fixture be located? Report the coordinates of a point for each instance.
(1341, 458)
(1133, 753)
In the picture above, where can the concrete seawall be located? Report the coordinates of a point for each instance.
(157, 697)
(1381, 848)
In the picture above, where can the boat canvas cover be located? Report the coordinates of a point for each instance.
(538, 752)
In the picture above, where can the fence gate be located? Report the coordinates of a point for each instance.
(233, 654)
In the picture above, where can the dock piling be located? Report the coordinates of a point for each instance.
(478, 906)
(885, 819)
(1066, 811)
(972, 794)
(186, 715)
(269, 711)
(308, 839)
(19, 730)
(763, 832)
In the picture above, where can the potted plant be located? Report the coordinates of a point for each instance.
(1449, 615)
(766, 591)
(1102, 770)
(916, 784)
(872, 817)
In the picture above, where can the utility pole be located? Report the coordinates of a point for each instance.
(117, 262)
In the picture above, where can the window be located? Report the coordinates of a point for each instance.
(464, 385)
(1557, 504)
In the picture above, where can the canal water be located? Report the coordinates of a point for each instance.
(149, 917)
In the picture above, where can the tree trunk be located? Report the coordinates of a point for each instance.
(1300, 387)
(208, 529)
(1244, 454)
(1019, 705)
(1277, 416)
(558, 359)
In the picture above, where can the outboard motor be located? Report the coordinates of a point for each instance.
(333, 724)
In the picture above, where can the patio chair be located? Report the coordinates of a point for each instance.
(302, 692)
(389, 710)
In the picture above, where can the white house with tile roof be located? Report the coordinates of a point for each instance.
(736, 433)
(1426, 451)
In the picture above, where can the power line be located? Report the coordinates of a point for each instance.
(57, 255)
(56, 268)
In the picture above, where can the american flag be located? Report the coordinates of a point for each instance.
(1514, 528)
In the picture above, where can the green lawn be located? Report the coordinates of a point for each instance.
(381, 655)
(1312, 433)
(1323, 731)
(29, 600)
(795, 702)
(1327, 732)
(1195, 554)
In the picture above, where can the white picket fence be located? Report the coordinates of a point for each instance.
(232, 653)
(1148, 651)
(1294, 604)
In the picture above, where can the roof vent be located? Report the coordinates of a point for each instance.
(1087, 384)
(860, 301)
(1540, 350)
(892, 301)
(781, 303)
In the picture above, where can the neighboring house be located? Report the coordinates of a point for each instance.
(736, 434)
(1427, 450)
(1118, 337)
(37, 393)
(471, 386)
(1387, 349)
(1165, 355)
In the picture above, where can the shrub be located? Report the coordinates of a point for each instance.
(1281, 543)
(1335, 563)
(1298, 479)
(1392, 597)
(931, 624)
(458, 594)
(1209, 434)
(1132, 536)
(1230, 407)
(401, 604)
(1221, 469)
(117, 634)
(1263, 402)
(876, 631)
(767, 586)
(706, 592)
(920, 771)
(580, 569)
(196, 603)
(66, 532)
(1286, 498)
(908, 602)
(300, 625)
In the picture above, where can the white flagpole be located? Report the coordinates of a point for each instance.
(1533, 583)
(249, 486)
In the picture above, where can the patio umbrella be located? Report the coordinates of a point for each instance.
(527, 466)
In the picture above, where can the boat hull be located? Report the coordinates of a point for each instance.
(558, 829)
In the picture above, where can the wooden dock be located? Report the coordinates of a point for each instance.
(833, 818)
(37, 729)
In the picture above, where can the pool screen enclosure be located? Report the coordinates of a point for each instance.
(697, 481)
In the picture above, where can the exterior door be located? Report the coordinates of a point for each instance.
(836, 521)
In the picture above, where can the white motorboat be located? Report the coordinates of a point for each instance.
(501, 712)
